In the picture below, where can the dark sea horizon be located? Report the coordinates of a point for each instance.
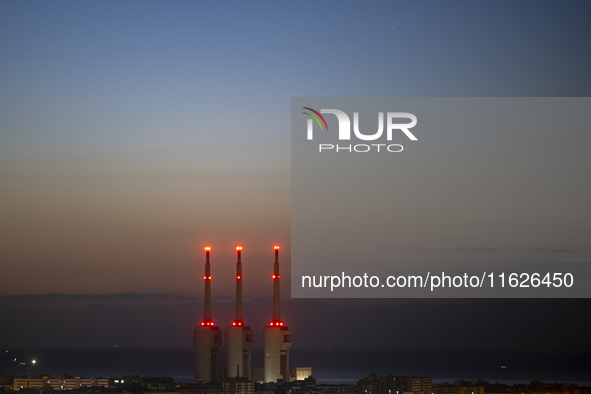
(328, 365)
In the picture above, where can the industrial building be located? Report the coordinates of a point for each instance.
(276, 336)
(207, 339)
(239, 338)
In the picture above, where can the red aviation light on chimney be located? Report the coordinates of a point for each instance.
(238, 247)
(238, 277)
(276, 247)
(207, 248)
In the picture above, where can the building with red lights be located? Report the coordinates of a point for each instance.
(239, 338)
(207, 338)
(276, 337)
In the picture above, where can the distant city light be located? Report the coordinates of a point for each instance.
(34, 361)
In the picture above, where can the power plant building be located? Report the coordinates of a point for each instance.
(276, 336)
(207, 338)
(239, 338)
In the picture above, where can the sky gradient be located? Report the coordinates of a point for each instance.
(134, 133)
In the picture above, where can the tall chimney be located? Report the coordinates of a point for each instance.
(239, 338)
(207, 278)
(207, 338)
(239, 317)
(276, 310)
(276, 337)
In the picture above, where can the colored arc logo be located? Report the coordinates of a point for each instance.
(315, 118)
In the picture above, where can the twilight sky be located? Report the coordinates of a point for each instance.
(134, 133)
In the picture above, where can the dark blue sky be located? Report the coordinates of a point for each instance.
(132, 133)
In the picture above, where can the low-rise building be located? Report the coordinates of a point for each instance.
(46, 383)
(237, 386)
